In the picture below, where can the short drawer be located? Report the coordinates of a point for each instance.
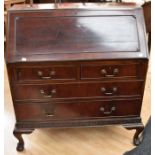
(46, 73)
(77, 90)
(77, 110)
(110, 71)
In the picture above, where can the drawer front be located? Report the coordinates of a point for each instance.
(77, 90)
(45, 111)
(110, 71)
(46, 73)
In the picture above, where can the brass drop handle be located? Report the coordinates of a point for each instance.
(49, 110)
(114, 90)
(49, 115)
(53, 91)
(115, 72)
(102, 109)
(40, 74)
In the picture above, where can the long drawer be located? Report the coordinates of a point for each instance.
(78, 90)
(77, 110)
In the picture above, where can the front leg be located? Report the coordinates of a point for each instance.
(18, 134)
(139, 128)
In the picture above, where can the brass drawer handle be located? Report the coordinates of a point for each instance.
(40, 74)
(49, 115)
(115, 72)
(102, 109)
(53, 91)
(114, 90)
(49, 110)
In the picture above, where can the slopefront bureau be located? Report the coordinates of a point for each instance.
(72, 65)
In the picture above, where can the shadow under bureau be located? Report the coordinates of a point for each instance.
(76, 65)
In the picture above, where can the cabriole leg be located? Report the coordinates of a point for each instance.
(139, 128)
(18, 134)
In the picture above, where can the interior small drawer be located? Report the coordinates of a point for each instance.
(44, 73)
(77, 90)
(77, 110)
(99, 71)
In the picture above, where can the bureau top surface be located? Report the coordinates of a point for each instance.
(69, 31)
(94, 6)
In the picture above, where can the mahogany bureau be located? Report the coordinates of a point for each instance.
(72, 65)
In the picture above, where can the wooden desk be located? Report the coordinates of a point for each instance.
(76, 65)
